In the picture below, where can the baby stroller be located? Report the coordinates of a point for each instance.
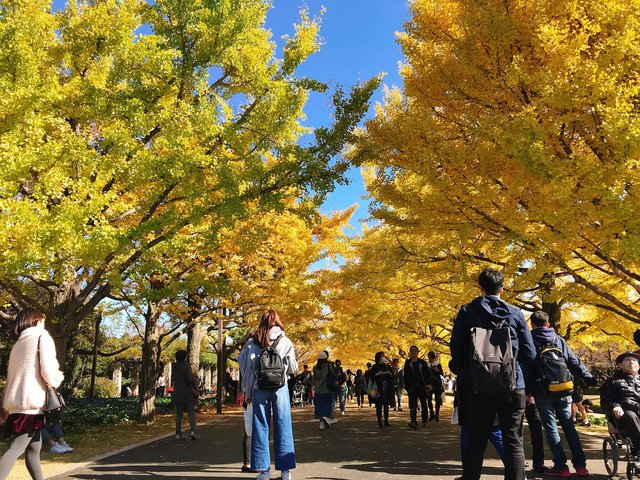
(617, 447)
(298, 395)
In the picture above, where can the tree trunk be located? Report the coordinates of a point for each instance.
(94, 359)
(195, 334)
(554, 310)
(150, 363)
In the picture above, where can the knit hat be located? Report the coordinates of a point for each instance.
(322, 356)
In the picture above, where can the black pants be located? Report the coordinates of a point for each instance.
(415, 395)
(482, 409)
(360, 397)
(246, 449)
(631, 423)
(438, 399)
(382, 404)
(535, 429)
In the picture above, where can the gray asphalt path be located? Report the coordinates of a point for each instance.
(352, 449)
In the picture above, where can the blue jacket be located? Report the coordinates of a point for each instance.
(548, 336)
(482, 312)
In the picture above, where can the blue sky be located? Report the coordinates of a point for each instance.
(358, 43)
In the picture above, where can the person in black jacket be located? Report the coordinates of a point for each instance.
(620, 396)
(487, 312)
(418, 380)
(437, 373)
(383, 376)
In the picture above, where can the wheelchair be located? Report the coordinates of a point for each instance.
(617, 448)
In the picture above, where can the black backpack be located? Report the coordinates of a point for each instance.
(557, 380)
(492, 366)
(271, 374)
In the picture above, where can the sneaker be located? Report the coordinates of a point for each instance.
(327, 421)
(57, 448)
(323, 425)
(67, 447)
(193, 435)
(341, 412)
(413, 425)
(179, 436)
(558, 472)
(585, 423)
(286, 475)
(264, 475)
(399, 409)
(582, 472)
(246, 469)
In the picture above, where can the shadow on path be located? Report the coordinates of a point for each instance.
(353, 449)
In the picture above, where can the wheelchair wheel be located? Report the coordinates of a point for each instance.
(631, 470)
(610, 454)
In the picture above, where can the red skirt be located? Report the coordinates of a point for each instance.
(19, 423)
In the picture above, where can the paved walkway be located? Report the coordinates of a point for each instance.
(353, 449)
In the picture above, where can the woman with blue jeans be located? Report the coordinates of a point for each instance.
(270, 402)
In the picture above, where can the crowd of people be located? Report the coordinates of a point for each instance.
(507, 370)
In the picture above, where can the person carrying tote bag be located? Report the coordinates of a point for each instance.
(24, 395)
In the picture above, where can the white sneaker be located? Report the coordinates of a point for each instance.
(57, 448)
(67, 447)
(179, 436)
(322, 424)
(332, 420)
(264, 475)
(342, 412)
(327, 421)
(286, 475)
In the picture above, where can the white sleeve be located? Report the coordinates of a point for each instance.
(49, 367)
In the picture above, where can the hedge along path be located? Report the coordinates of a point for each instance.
(90, 445)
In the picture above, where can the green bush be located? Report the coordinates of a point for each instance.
(105, 388)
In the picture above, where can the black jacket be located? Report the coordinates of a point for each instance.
(621, 390)
(410, 380)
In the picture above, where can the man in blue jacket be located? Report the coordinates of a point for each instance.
(480, 408)
(548, 405)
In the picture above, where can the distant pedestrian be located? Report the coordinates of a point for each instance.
(160, 385)
(360, 384)
(554, 402)
(32, 366)
(323, 390)
(341, 394)
(367, 378)
(437, 374)
(183, 384)
(418, 381)
(382, 376)
(488, 327)
(269, 399)
(398, 382)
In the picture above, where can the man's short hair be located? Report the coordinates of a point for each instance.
(414, 346)
(539, 318)
(491, 281)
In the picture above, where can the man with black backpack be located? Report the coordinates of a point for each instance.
(551, 386)
(491, 346)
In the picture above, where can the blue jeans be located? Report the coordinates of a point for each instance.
(342, 396)
(549, 408)
(265, 402)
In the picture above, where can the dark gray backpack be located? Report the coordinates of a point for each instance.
(492, 366)
(271, 375)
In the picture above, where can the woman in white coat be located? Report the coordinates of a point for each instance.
(24, 393)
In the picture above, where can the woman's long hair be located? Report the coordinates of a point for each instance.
(268, 320)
